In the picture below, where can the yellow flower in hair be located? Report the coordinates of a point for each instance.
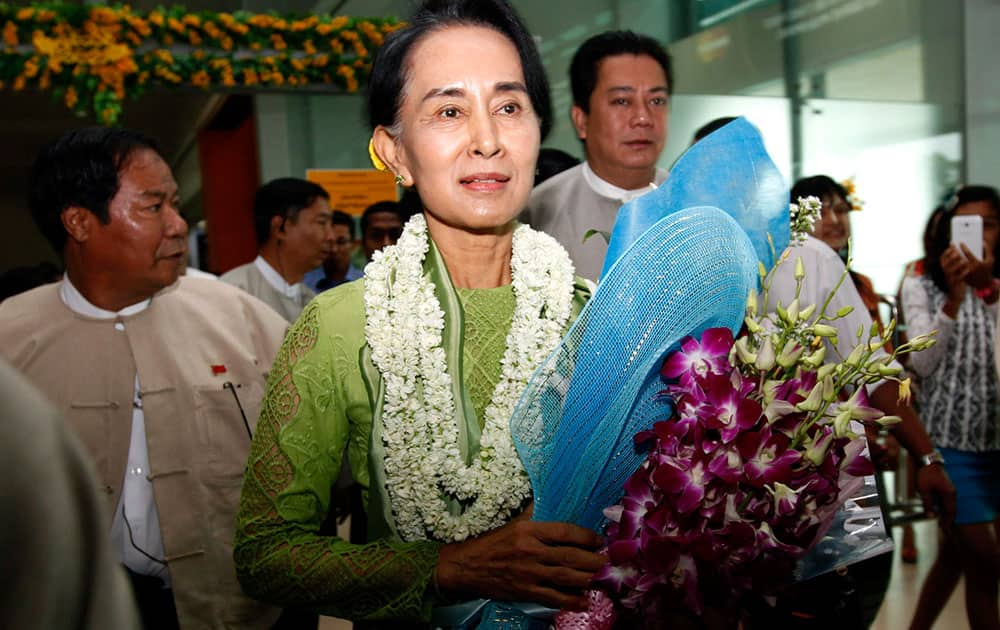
(376, 160)
(852, 199)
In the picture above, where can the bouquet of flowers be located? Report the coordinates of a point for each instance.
(761, 451)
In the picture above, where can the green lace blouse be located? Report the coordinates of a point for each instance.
(317, 403)
(488, 315)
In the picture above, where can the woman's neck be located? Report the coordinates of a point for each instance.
(474, 261)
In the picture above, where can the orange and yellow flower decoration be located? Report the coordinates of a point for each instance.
(94, 56)
(856, 203)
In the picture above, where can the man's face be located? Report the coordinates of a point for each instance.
(626, 127)
(307, 239)
(383, 229)
(342, 246)
(143, 246)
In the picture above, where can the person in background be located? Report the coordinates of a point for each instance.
(621, 83)
(381, 225)
(959, 398)
(58, 566)
(337, 268)
(458, 104)
(834, 229)
(908, 548)
(710, 126)
(159, 376)
(551, 162)
(294, 235)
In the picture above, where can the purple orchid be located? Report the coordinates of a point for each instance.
(710, 355)
(767, 459)
(617, 578)
(728, 407)
(738, 483)
(727, 465)
(684, 479)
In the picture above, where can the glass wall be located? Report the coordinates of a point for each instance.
(863, 89)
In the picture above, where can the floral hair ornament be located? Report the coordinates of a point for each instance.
(376, 160)
(856, 203)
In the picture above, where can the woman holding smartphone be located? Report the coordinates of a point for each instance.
(959, 398)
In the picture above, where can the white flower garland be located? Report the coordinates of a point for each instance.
(423, 461)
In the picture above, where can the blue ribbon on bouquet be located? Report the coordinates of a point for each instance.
(681, 259)
(730, 170)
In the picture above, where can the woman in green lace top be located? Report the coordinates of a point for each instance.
(417, 367)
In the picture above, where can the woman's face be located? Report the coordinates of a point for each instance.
(469, 138)
(991, 225)
(834, 224)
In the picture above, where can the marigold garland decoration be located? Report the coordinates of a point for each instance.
(92, 57)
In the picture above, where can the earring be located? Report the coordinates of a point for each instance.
(399, 179)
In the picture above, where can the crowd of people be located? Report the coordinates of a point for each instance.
(216, 427)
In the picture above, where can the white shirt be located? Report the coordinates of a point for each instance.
(275, 279)
(136, 510)
(609, 190)
(824, 269)
(194, 272)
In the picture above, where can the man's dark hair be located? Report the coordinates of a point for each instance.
(81, 168)
(391, 207)
(552, 162)
(284, 197)
(339, 217)
(941, 237)
(390, 70)
(712, 126)
(818, 186)
(410, 204)
(583, 69)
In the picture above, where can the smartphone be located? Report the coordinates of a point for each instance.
(968, 229)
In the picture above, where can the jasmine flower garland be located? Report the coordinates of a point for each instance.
(404, 324)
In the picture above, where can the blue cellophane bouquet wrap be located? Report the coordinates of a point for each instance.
(648, 423)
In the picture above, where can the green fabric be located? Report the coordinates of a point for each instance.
(321, 394)
(488, 315)
(316, 404)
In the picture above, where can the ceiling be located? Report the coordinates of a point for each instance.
(31, 119)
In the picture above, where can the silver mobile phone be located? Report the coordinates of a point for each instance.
(968, 229)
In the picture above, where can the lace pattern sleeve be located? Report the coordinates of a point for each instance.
(294, 462)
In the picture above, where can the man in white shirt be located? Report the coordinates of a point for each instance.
(292, 219)
(621, 83)
(160, 376)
